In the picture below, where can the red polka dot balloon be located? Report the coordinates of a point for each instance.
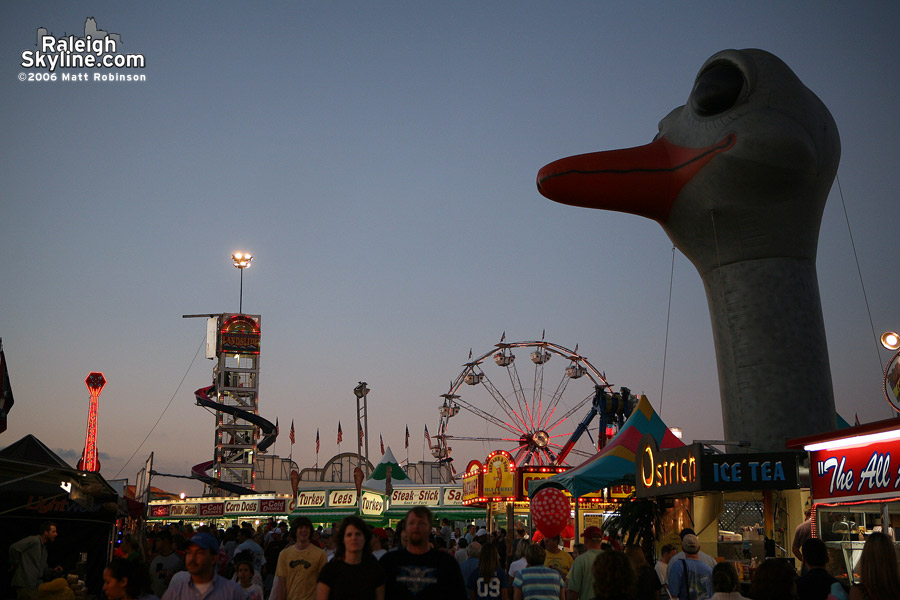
(550, 509)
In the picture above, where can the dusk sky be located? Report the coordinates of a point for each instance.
(379, 161)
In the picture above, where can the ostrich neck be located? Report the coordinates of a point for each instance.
(771, 351)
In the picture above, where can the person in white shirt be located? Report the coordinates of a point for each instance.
(665, 555)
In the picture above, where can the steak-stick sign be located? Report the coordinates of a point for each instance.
(550, 510)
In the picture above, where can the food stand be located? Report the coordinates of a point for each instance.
(854, 487)
(502, 489)
(691, 472)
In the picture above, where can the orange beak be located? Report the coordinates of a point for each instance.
(643, 181)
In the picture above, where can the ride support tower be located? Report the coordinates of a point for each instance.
(90, 461)
(235, 384)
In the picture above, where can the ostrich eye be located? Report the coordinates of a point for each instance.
(717, 89)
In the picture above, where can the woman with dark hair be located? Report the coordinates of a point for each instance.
(726, 584)
(124, 580)
(490, 580)
(353, 573)
(773, 580)
(646, 582)
(878, 575)
(614, 577)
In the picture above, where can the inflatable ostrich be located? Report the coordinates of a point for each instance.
(738, 179)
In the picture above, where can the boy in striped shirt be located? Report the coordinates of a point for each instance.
(537, 582)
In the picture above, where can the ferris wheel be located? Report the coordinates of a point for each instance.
(528, 408)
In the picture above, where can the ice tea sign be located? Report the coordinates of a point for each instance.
(687, 469)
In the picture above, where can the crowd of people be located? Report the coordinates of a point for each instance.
(420, 561)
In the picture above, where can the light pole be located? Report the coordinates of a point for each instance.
(362, 417)
(891, 341)
(241, 262)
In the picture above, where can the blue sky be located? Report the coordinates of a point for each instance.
(379, 161)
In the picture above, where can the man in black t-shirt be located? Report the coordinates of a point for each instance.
(419, 571)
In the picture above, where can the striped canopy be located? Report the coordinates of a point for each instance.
(614, 464)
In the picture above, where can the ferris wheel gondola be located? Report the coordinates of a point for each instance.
(532, 418)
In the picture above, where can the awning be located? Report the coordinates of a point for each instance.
(615, 463)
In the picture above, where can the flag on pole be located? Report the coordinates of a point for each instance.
(277, 430)
(857, 419)
(317, 441)
(407, 436)
(293, 439)
(427, 437)
(381, 440)
(359, 426)
(340, 436)
(6, 395)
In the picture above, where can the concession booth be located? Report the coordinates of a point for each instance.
(703, 481)
(854, 488)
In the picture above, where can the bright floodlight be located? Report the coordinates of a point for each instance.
(241, 259)
(890, 340)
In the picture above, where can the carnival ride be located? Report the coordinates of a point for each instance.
(269, 432)
(526, 417)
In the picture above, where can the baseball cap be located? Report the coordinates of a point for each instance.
(277, 530)
(206, 541)
(481, 532)
(380, 532)
(690, 543)
(592, 533)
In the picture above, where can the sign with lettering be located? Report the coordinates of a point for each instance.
(621, 491)
(241, 506)
(685, 470)
(472, 482)
(311, 499)
(183, 510)
(239, 334)
(415, 497)
(159, 510)
(853, 474)
(453, 496)
(769, 471)
(499, 475)
(277, 506)
(342, 498)
(212, 509)
(528, 474)
(372, 504)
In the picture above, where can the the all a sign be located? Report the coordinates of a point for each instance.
(853, 474)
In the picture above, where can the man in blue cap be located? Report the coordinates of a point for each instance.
(204, 583)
